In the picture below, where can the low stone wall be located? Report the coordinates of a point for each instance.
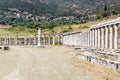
(111, 64)
(112, 55)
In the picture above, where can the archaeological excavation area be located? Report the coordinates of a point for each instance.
(89, 55)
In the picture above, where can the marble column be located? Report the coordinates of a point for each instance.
(35, 39)
(116, 36)
(93, 36)
(30, 40)
(102, 37)
(86, 39)
(111, 37)
(25, 40)
(58, 39)
(16, 40)
(49, 39)
(0, 40)
(10, 40)
(5, 40)
(99, 38)
(96, 38)
(106, 37)
(90, 38)
(54, 40)
(44, 39)
(39, 36)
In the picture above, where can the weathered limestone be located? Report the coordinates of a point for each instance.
(16, 40)
(106, 37)
(111, 37)
(99, 38)
(25, 40)
(90, 38)
(35, 40)
(102, 37)
(39, 36)
(111, 64)
(116, 36)
(54, 39)
(96, 38)
(10, 40)
(48, 39)
(30, 41)
(44, 39)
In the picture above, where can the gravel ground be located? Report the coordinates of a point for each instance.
(50, 63)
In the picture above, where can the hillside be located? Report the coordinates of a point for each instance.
(46, 10)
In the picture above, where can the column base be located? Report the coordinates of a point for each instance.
(36, 46)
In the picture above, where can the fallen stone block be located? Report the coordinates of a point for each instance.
(6, 47)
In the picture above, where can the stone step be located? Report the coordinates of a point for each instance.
(109, 63)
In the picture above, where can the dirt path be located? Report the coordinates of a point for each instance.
(51, 63)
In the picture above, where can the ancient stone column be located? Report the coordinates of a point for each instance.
(54, 40)
(106, 37)
(10, 41)
(30, 40)
(58, 39)
(16, 40)
(99, 38)
(35, 40)
(25, 40)
(39, 36)
(93, 35)
(116, 36)
(102, 37)
(44, 39)
(96, 38)
(49, 39)
(0, 40)
(5, 40)
(86, 39)
(66, 40)
(90, 38)
(111, 37)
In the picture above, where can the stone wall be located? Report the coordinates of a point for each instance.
(111, 64)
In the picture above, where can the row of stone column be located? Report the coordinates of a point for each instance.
(97, 37)
(104, 37)
(10, 40)
(30, 40)
(51, 39)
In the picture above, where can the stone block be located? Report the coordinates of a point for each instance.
(6, 47)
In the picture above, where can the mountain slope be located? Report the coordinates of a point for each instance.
(49, 9)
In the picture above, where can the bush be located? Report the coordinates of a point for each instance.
(58, 43)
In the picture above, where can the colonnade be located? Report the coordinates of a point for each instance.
(103, 35)
(44, 39)
(52, 39)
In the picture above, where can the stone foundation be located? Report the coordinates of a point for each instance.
(111, 64)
